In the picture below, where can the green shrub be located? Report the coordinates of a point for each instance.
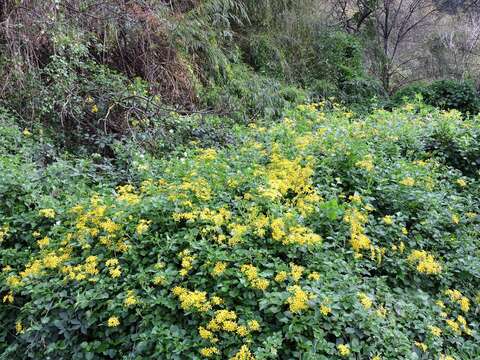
(450, 94)
(246, 96)
(265, 57)
(323, 236)
(444, 94)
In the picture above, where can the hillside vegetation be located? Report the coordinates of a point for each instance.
(324, 236)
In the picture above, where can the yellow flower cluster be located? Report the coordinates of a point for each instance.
(365, 300)
(456, 296)
(130, 299)
(3, 232)
(296, 271)
(435, 330)
(126, 193)
(19, 327)
(422, 346)
(425, 262)
(358, 239)
(113, 321)
(187, 262)
(113, 268)
(243, 354)
(192, 300)
(208, 154)
(209, 351)
(251, 273)
(8, 298)
(43, 243)
(325, 310)
(47, 213)
(82, 271)
(366, 163)
(300, 235)
(408, 181)
(298, 301)
(225, 320)
(343, 350)
(281, 276)
(446, 357)
(143, 226)
(388, 220)
(198, 187)
(219, 268)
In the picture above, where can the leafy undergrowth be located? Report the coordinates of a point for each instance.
(322, 237)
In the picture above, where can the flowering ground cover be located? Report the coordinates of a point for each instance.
(324, 236)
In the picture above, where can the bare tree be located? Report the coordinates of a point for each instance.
(352, 15)
(459, 38)
(402, 28)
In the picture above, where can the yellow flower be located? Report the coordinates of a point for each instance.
(43, 242)
(455, 219)
(296, 271)
(298, 301)
(343, 350)
(365, 300)
(454, 295)
(159, 280)
(253, 325)
(130, 300)
(216, 300)
(209, 351)
(464, 304)
(242, 331)
(315, 276)
(51, 261)
(435, 331)
(376, 357)
(278, 229)
(366, 163)
(94, 108)
(421, 346)
(47, 213)
(205, 334)
(19, 327)
(229, 326)
(446, 357)
(387, 219)
(219, 268)
(143, 226)
(111, 262)
(251, 273)
(408, 181)
(281, 276)
(115, 272)
(461, 182)
(381, 311)
(243, 354)
(26, 132)
(208, 154)
(325, 310)
(426, 263)
(196, 300)
(358, 239)
(404, 231)
(8, 298)
(113, 321)
(453, 325)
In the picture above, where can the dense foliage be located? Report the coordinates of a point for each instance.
(444, 94)
(325, 236)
